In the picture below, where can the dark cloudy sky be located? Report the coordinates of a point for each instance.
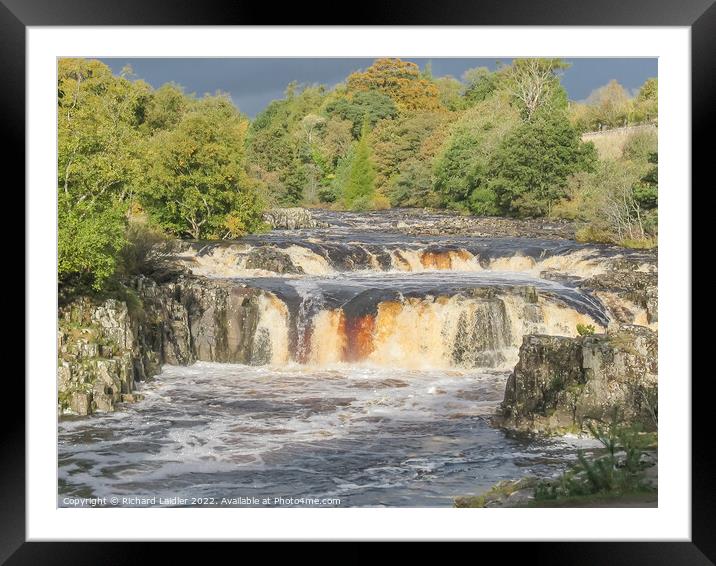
(254, 82)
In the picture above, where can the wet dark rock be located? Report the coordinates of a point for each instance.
(560, 382)
(626, 290)
(271, 259)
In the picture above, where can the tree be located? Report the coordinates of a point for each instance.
(646, 190)
(365, 107)
(462, 170)
(90, 235)
(609, 105)
(284, 139)
(165, 107)
(646, 104)
(610, 203)
(534, 84)
(479, 84)
(336, 139)
(196, 185)
(395, 142)
(294, 180)
(449, 92)
(413, 185)
(400, 80)
(98, 142)
(532, 164)
(99, 151)
(359, 189)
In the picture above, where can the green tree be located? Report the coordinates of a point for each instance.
(359, 188)
(363, 107)
(413, 185)
(463, 168)
(90, 236)
(294, 181)
(532, 164)
(646, 190)
(396, 142)
(98, 166)
(284, 138)
(646, 103)
(450, 92)
(479, 83)
(195, 183)
(165, 107)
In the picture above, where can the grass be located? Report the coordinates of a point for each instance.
(593, 235)
(638, 243)
(634, 498)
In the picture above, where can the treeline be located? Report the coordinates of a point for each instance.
(503, 142)
(169, 162)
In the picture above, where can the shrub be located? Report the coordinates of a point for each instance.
(618, 471)
(147, 250)
(585, 329)
(89, 238)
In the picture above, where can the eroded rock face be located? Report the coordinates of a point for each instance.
(104, 348)
(560, 382)
(99, 355)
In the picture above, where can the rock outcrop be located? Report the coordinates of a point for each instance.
(291, 219)
(105, 347)
(100, 356)
(560, 382)
(630, 295)
(271, 259)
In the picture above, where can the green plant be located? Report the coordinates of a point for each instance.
(585, 329)
(620, 470)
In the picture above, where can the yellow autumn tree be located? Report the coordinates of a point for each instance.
(401, 81)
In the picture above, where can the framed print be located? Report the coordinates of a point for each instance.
(402, 278)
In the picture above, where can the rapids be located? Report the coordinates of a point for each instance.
(355, 436)
(376, 358)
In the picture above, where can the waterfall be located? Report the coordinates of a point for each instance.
(407, 332)
(360, 292)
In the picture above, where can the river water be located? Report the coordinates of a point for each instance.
(385, 364)
(347, 435)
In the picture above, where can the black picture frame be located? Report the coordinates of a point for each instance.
(16, 15)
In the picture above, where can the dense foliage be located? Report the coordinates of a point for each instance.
(503, 142)
(124, 149)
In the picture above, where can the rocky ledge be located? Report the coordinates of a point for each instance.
(291, 219)
(490, 227)
(560, 382)
(105, 347)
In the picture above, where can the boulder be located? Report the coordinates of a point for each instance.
(271, 259)
(295, 218)
(559, 383)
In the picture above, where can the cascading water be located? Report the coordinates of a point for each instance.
(375, 361)
(420, 321)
